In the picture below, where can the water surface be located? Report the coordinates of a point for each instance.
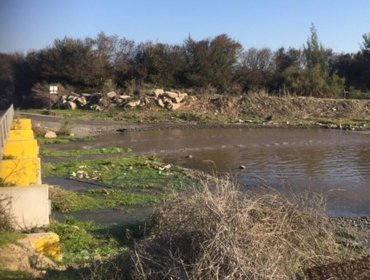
(333, 162)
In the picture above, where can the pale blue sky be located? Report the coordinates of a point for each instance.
(34, 24)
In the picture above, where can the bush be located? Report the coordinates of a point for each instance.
(229, 234)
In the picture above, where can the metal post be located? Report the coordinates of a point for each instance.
(5, 126)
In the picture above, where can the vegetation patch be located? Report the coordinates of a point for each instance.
(68, 201)
(135, 173)
(9, 237)
(16, 275)
(82, 152)
(83, 242)
(117, 183)
(63, 140)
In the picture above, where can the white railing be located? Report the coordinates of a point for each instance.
(6, 121)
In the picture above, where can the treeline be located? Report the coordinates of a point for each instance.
(218, 64)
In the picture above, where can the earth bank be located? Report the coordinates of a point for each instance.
(215, 111)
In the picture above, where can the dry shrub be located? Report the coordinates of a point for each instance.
(224, 233)
(6, 219)
(65, 129)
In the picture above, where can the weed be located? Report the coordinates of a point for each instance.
(65, 129)
(6, 219)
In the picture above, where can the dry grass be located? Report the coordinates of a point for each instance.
(227, 234)
(6, 219)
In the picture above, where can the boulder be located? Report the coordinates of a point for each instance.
(183, 96)
(176, 97)
(171, 94)
(96, 107)
(167, 101)
(111, 94)
(158, 92)
(69, 105)
(133, 104)
(160, 103)
(175, 106)
(81, 101)
(124, 97)
(50, 134)
(72, 98)
(104, 102)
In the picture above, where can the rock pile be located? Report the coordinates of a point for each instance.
(170, 100)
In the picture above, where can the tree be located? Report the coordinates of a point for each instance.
(255, 69)
(6, 80)
(314, 52)
(211, 62)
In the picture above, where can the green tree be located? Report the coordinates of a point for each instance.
(211, 62)
(314, 79)
(314, 52)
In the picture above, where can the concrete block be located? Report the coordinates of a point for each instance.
(20, 135)
(21, 148)
(21, 171)
(45, 243)
(29, 207)
(22, 124)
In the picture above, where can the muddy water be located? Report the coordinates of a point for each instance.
(335, 163)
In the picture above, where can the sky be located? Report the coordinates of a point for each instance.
(27, 25)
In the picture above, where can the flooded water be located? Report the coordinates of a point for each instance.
(335, 163)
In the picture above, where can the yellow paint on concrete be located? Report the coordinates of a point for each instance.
(20, 135)
(47, 243)
(21, 148)
(21, 171)
(22, 124)
(21, 165)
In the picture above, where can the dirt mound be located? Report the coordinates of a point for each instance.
(299, 107)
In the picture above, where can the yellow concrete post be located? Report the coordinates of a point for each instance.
(20, 165)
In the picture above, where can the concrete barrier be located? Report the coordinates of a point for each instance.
(28, 207)
(20, 173)
(20, 165)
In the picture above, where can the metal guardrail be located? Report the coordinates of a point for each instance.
(6, 121)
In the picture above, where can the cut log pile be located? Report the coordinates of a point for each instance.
(170, 100)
